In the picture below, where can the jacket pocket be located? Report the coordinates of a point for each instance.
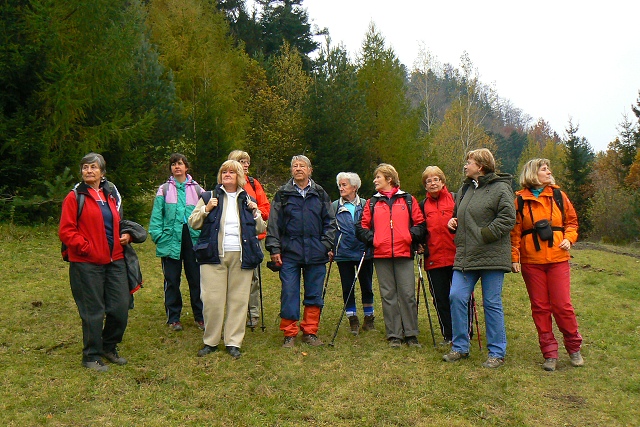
(204, 251)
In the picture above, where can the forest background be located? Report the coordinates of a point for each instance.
(138, 80)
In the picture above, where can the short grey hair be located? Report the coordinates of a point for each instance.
(352, 177)
(301, 157)
(94, 158)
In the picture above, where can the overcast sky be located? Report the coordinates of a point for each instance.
(555, 59)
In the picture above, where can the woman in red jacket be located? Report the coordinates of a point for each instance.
(396, 223)
(440, 248)
(97, 270)
(542, 254)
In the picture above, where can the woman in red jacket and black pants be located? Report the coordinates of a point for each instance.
(97, 270)
(440, 251)
(396, 223)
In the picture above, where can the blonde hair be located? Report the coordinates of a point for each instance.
(238, 155)
(235, 166)
(388, 171)
(529, 175)
(484, 159)
(433, 170)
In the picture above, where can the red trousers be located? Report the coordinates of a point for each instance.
(309, 324)
(548, 286)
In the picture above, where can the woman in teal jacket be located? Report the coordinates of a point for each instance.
(174, 239)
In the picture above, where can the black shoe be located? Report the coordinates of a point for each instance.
(206, 350)
(234, 352)
(114, 357)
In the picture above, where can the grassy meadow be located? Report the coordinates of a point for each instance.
(359, 382)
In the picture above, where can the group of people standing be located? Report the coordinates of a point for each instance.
(478, 233)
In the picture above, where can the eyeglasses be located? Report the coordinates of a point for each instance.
(433, 181)
(244, 162)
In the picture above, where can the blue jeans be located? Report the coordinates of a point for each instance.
(461, 288)
(290, 275)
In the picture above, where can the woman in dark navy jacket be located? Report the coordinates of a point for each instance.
(349, 251)
(227, 251)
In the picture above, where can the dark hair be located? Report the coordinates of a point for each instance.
(176, 157)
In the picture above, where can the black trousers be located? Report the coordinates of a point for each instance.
(439, 286)
(101, 293)
(347, 271)
(172, 269)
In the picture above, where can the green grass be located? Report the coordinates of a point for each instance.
(360, 381)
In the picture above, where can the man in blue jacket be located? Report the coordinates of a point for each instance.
(300, 238)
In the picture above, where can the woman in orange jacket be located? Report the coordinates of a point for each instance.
(546, 227)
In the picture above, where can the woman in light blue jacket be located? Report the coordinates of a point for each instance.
(174, 239)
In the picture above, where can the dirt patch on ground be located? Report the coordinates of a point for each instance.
(598, 247)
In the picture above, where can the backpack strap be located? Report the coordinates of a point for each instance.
(557, 196)
(408, 198)
(80, 200)
(252, 183)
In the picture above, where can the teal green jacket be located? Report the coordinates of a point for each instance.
(172, 206)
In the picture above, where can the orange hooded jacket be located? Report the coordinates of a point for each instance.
(523, 249)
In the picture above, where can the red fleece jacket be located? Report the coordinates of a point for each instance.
(86, 237)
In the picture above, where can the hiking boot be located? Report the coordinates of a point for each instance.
(96, 365)
(175, 326)
(354, 324)
(114, 357)
(289, 342)
(493, 362)
(312, 340)
(200, 324)
(549, 364)
(454, 356)
(444, 343)
(252, 322)
(576, 359)
(234, 352)
(206, 350)
(395, 342)
(412, 342)
(368, 323)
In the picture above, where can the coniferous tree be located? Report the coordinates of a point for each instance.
(336, 112)
(390, 127)
(578, 164)
(77, 61)
(285, 21)
(208, 71)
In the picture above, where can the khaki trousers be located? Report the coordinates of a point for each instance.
(225, 286)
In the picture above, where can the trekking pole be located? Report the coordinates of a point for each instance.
(475, 314)
(418, 295)
(326, 284)
(261, 306)
(326, 281)
(253, 328)
(344, 309)
(426, 300)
